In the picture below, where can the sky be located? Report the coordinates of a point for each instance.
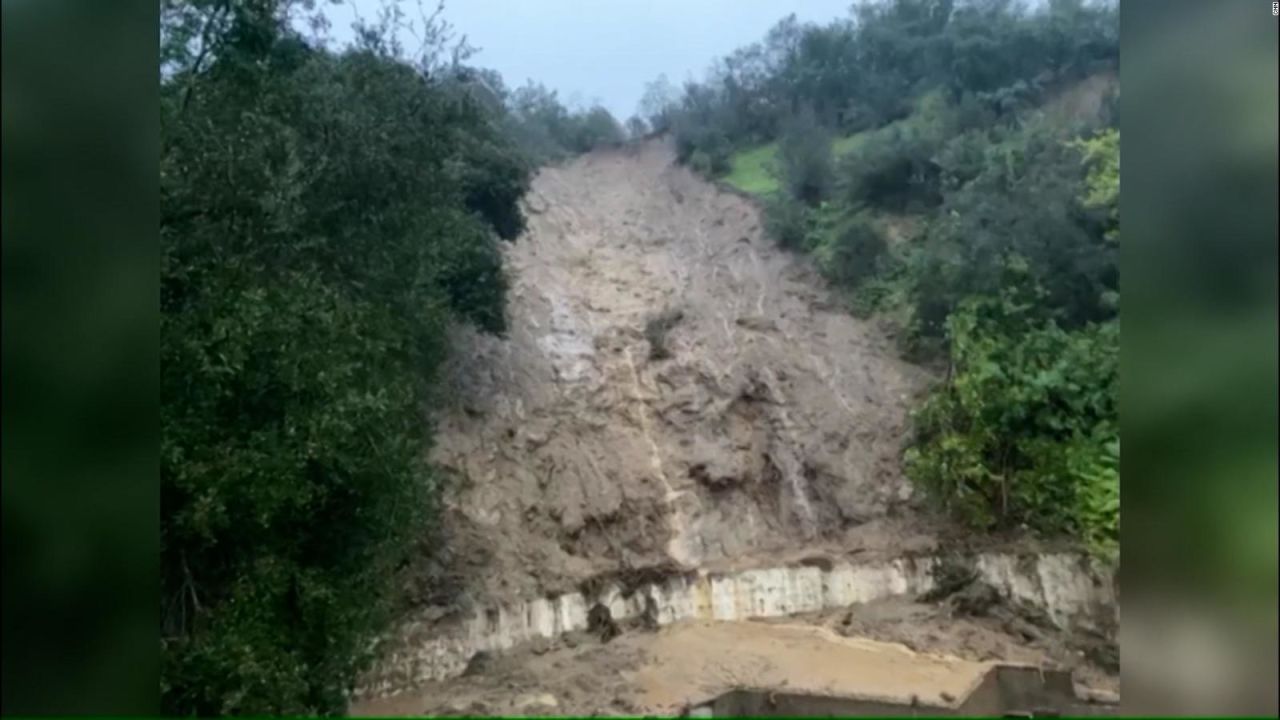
(602, 50)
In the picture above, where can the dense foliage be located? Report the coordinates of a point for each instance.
(866, 70)
(547, 130)
(1025, 431)
(325, 216)
(988, 130)
(804, 153)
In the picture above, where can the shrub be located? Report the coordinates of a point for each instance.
(963, 158)
(787, 222)
(595, 128)
(700, 162)
(636, 127)
(804, 159)
(1101, 154)
(1023, 432)
(881, 291)
(852, 252)
(894, 167)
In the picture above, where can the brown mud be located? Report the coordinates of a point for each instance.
(674, 389)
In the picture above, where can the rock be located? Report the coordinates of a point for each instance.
(461, 707)
(544, 702)
(756, 323)
(649, 620)
(478, 664)
(600, 622)
(975, 600)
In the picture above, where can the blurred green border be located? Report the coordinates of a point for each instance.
(80, 319)
(1199, 355)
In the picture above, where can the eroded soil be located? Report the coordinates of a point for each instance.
(674, 390)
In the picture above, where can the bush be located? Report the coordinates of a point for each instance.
(636, 127)
(804, 159)
(700, 163)
(547, 131)
(596, 128)
(852, 252)
(1102, 156)
(1023, 432)
(711, 160)
(895, 167)
(869, 297)
(700, 124)
(1025, 201)
(787, 222)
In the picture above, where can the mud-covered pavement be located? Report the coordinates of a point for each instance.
(765, 420)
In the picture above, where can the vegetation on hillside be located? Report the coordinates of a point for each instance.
(968, 116)
(546, 130)
(325, 216)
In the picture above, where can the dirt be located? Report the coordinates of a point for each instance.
(896, 650)
(976, 625)
(674, 389)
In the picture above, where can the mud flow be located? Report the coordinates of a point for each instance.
(681, 426)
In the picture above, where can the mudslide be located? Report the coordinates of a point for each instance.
(679, 426)
(767, 419)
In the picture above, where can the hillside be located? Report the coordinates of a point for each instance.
(752, 462)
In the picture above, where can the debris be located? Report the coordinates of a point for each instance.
(600, 622)
(478, 664)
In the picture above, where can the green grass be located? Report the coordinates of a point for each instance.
(848, 143)
(750, 170)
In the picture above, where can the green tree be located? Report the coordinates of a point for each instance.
(324, 218)
(658, 104)
(804, 159)
(597, 128)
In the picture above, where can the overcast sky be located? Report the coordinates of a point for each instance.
(604, 50)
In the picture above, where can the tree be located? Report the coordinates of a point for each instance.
(324, 217)
(597, 128)
(636, 127)
(657, 104)
(804, 158)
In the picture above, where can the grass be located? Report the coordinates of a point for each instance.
(751, 170)
(847, 143)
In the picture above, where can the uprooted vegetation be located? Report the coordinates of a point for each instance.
(994, 129)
